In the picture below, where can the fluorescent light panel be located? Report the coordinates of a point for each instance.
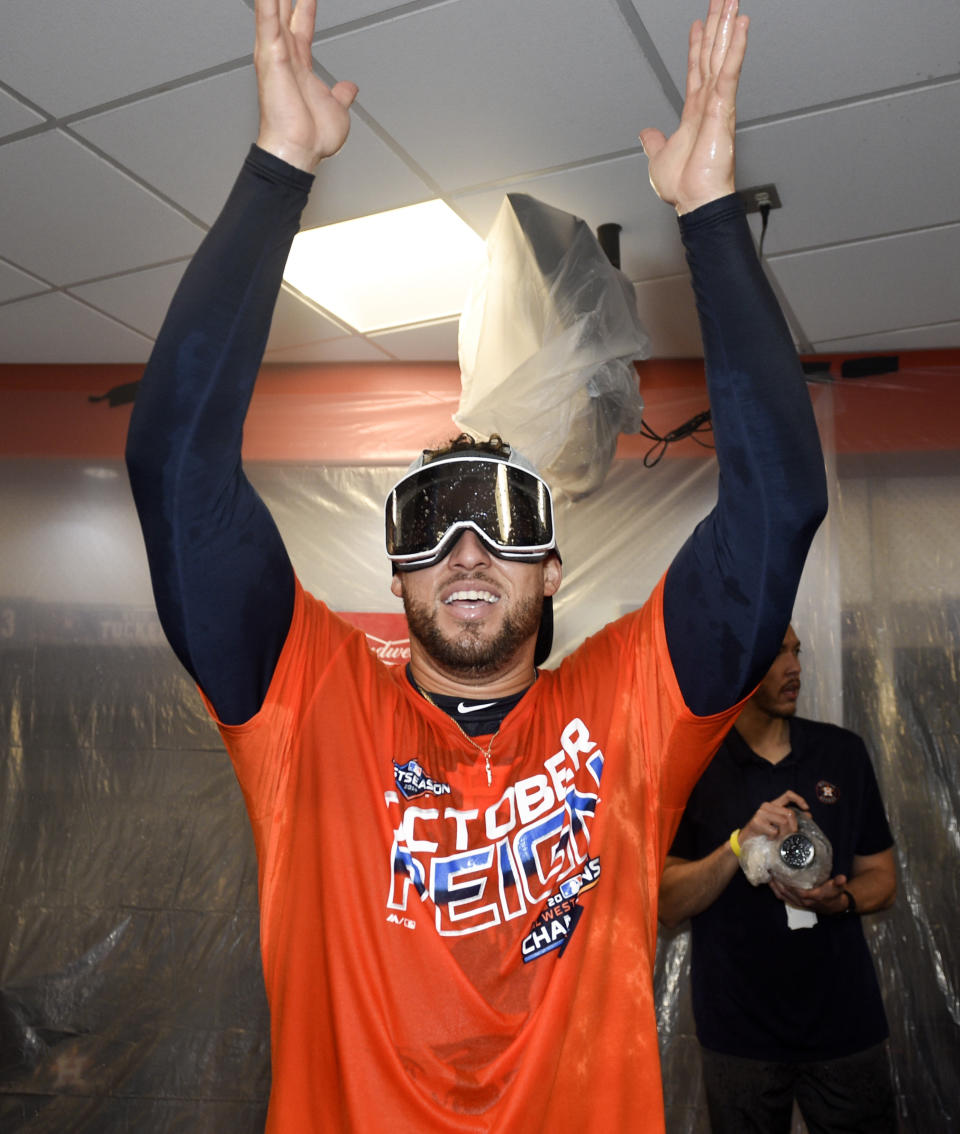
(410, 265)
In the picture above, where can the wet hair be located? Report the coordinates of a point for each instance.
(495, 447)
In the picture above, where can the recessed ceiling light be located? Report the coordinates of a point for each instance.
(393, 269)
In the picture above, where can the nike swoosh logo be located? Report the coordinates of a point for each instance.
(462, 708)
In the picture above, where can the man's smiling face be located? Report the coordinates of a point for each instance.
(473, 611)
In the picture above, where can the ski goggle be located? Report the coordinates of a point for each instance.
(507, 505)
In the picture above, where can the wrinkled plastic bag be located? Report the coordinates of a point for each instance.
(801, 858)
(548, 338)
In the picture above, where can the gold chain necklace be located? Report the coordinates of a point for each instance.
(484, 752)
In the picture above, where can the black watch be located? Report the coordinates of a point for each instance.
(851, 903)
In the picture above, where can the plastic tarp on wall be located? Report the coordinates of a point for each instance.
(130, 988)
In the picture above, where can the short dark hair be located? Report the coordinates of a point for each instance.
(464, 443)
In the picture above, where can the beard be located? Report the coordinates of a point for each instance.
(468, 653)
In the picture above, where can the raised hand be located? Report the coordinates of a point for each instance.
(696, 164)
(301, 119)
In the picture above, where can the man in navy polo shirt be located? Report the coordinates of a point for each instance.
(785, 997)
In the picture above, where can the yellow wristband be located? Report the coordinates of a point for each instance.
(735, 842)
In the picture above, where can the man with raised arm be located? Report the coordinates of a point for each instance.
(458, 863)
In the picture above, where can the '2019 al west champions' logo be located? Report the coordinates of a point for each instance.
(413, 781)
(555, 926)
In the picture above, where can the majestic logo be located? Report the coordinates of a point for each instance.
(413, 781)
(555, 925)
(827, 792)
(406, 922)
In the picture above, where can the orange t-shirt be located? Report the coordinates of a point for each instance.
(442, 953)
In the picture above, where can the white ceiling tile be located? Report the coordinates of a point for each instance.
(54, 328)
(821, 51)
(332, 13)
(365, 177)
(875, 286)
(88, 52)
(433, 342)
(481, 93)
(69, 216)
(613, 191)
(217, 117)
(296, 323)
(858, 171)
(15, 116)
(139, 299)
(940, 336)
(479, 89)
(14, 283)
(352, 349)
(668, 312)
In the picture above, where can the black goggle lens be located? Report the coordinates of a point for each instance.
(509, 506)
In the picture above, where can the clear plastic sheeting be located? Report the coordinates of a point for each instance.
(548, 338)
(130, 990)
(879, 617)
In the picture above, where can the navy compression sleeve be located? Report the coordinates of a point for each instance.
(729, 592)
(221, 577)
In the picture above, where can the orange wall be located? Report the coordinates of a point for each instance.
(381, 414)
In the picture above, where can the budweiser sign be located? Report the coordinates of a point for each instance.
(387, 634)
